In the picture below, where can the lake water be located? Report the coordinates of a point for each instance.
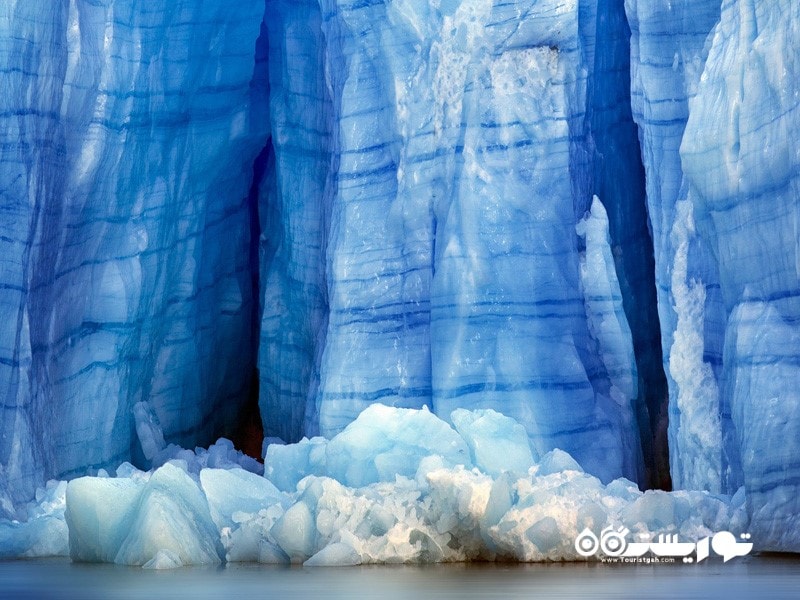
(769, 577)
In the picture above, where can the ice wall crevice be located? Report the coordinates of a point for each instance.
(668, 50)
(619, 179)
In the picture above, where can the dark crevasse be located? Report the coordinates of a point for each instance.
(293, 221)
(619, 181)
(248, 432)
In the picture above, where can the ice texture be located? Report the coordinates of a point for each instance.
(715, 94)
(496, 443)
(294, 219)
(125, 165)
(743, 175)
(478, 252)
(381, 444)
(441, 511)
(436, 159)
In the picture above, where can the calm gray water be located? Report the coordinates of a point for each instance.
(768, 577)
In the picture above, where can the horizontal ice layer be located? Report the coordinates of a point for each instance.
(742, 163)
(125, 162)
(431, 164)
(441, 512)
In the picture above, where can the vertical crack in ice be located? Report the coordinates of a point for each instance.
(249, 433)
(620, 184)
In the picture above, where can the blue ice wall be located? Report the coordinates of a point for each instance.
(668, 52)
(435, 165)
(743, 175)
(715, 95)
(414, 203)
(511, 323)
(125, 160)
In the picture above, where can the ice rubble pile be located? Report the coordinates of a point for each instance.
(396, 485)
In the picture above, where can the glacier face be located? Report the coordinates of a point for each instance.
(440, 170)
(743, 175)
(582, 214)
(127, 153)
(715, 96)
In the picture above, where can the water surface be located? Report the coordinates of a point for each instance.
(770, 577)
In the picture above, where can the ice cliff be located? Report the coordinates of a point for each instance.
(127, 157)
(715, 94)
(441, 162)
(580, 214)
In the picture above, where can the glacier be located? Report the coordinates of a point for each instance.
(128, 147)
(488, 269)
(723, 204)
(431, 130)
